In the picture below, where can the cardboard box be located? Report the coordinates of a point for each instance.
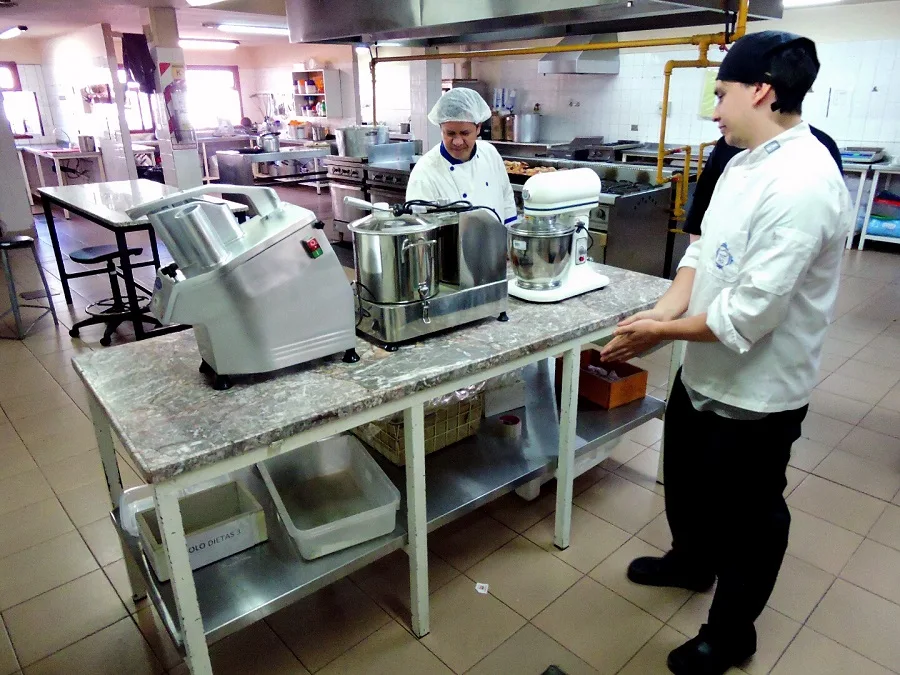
(218, 522)
(631, 387)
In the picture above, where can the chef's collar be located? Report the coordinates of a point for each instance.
(453, 161)
(772, 146)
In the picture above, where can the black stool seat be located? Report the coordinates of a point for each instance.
(95, 254)
(16, 241)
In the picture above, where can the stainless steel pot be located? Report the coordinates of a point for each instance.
(397, 259)
(540, 253)
(523, 128)
(356, 141)
(270, 142)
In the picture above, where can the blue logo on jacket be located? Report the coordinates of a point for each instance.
(723, 256)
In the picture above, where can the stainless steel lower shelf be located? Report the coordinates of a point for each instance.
(245, 587)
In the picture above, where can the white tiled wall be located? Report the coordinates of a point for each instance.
(861, 78)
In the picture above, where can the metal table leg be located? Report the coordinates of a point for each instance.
(62, 182)
(21, 154)
(565, 470)
(57, 252)
(416, 517)
(859, 195)
(165, 497)
(103, 432)
(128, 276)
(872, 193)
(154, 246)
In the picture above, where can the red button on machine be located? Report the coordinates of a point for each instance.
(312, 247)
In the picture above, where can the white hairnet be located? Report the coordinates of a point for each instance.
(460, 105)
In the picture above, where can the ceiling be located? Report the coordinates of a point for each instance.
(48, 18)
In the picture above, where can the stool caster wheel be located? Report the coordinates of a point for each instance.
(206, 369)
(106, 341)
(73, 332)
(503, 317)
(221, 382)
(350, 356)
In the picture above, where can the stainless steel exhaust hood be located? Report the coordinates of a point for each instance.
(431, 22)
(604, 62)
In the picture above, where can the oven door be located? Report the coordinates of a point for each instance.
(343, 213)
(389, 195)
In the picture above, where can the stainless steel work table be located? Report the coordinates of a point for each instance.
(179, 432)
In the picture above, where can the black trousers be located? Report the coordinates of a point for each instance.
(724, 481)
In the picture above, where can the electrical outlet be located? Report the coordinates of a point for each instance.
(634, 127)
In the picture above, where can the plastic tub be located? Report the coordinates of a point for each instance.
(331, 495)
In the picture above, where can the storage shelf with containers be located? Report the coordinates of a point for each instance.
(237, 590)
(315, 90)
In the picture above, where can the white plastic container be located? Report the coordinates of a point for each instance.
(331, 495)
(218, 522)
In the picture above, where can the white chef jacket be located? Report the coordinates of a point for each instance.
(767, 273)
(482, 180)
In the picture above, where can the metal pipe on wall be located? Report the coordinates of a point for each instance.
(701, 41)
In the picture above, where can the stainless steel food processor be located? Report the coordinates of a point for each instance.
(421, 273)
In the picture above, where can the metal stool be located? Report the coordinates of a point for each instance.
(112, 311)
(10, 243)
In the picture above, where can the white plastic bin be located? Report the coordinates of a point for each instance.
(331, 495)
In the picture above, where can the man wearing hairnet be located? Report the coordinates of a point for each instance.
(458, 168)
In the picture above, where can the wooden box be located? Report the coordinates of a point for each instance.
(631, 387)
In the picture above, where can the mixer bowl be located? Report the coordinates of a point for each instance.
(539, 259)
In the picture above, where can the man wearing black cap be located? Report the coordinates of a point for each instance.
(753, 298)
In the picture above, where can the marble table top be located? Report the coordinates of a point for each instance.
(171, 420)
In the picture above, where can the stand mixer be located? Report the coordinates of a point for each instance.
(548, 250)
(261, 295)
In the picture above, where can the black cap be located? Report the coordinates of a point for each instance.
(749, 59)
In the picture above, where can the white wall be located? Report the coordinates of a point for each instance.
(852, 70)
(270, 68)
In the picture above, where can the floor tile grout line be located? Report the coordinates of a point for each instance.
(858, 653)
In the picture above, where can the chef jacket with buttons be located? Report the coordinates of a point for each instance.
(767, 274)
(482, 180)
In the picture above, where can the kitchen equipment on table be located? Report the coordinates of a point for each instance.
(523, 127)
(218, 522)
(331, 495)
(862, 155)
(355, 141)
(251, 289)
(404, 127)
(549, 249)
(420, 273)
(270, 142)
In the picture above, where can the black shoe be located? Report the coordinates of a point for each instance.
(708, 655)
(666, 572)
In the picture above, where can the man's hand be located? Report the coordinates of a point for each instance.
(655, 314)
(633, 337)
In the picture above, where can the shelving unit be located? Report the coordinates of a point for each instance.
(889, 171)
(328, 84)
(242, 588)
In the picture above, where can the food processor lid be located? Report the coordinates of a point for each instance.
(542, 226)
(388, 225)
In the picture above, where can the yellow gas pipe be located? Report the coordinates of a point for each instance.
(703, 43)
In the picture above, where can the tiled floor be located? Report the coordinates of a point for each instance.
(66, 606)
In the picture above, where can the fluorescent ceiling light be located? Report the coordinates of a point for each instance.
(202, 3)
(790, 4)
(250, 30)
(218, 45)
(15, 31)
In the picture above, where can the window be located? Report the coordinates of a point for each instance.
(138, 114)
(9, 76)
(20, 107)
(213, 93)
